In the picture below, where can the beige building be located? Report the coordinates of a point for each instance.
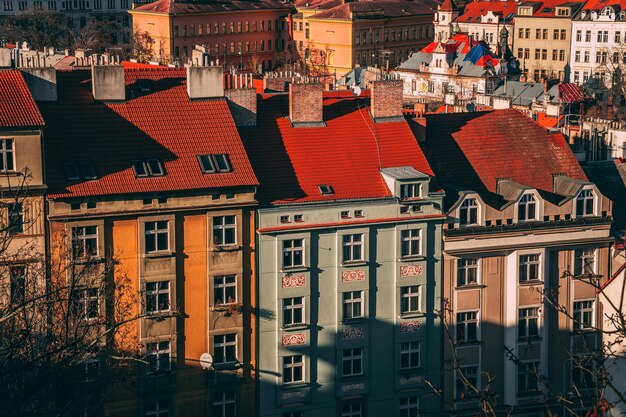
(520, 230)
(542, 38)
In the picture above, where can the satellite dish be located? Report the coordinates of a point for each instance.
(470, 107)
(357, 90)
(206, 361)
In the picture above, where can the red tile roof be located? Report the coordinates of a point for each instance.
(162, 124)
(346, 154)
(475, 9)
(193, 7)
(474, 150)
(571, 93)
(447, 6)
(548, 121)
(375, 8)
(546, 8)
(17, 107)
(601, 4)
(453, 44)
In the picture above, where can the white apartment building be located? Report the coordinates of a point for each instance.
(597, 47)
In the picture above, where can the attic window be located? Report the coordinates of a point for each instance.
(210, 164)
(144, 86)
(326, 189)
(409, 190)
(148, 168)
(79, 170)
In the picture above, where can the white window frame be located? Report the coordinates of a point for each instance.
(223, 401)
(161, 409)
(463, 264)
(467, 206)
(156, 293)
(86, 301)
(291, 304)
(409, 406)
(222, 284)
(528, 263)
(220, 341)
(349, 245)
(579, 254)
(410, 190)
(7, 155)
(157, 350)
(523, 205)
(578, 322)
(79, 240)
(290, 363)
(348, 304)
(352, 411)
(407, 349)
(464, 325)
(154, 234)
(529, 375)
(221, 229)
(463, 369)
(408, 237)
(527, 326)
(583, 197)
(407, 293)
(295, 245)
(352, 356)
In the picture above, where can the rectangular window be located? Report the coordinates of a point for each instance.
(555, 34)
(224, 404)
(293, 253)
(527, 378)
(468, 213)
(586, 57)
(409, 406)
(562, 55)
(224, 230)
(225, 348)
(224, 289)
(584, 203)
(409, 191)
(352, 409)
(158, 357)
(529, 268)
(85, 242)
(352, 248)
(467, 326)
(410, 245)
(588, 36)
(466, 271)
(158, 409)
(577, 56)
(293, 369)
(544, 54)
(563, 35)
(17, 284)
(555, 54)
(618, 37)
(148, 168)
(293, 311)
(352, 305)
(528, 324)
(215, 163)
(409, 299)
(16, 219)
(584, 262)
(6, 155)
(583, 315)
(579, 35)
(352, 362)
(157, 297)
(583, 371)
(84, 303)
(409, 355)
(157, 236)
(464, 387)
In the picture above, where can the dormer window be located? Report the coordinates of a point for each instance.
(562, 11)
(527, 208)
(607, 11)
(148, 168)
(584, 203)
(326, 189)
(468, 213)
(409, 190)
(210, 164)
(79, 170)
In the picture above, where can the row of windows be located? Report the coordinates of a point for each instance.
(239, 47)
(529, 267)
(407, 33)
(352, 248)
(557, 34)
(7, 5)
(85, 239)
(528, 324)
(602, 36)
(541, 54)
(230, 27)
(602, 57)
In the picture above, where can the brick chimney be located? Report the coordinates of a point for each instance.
(107, 82)
(386, 100)
(205, 82)
(241, 98)
(305, 104)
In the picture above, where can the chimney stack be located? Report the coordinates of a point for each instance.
(386, 100)
(305, 104)
(5, 58)
(107, 82)
(242, 99)
(204, 82)
(42, 82)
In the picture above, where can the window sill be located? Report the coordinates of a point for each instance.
(530, 283)
(470, 287)
(226, 248)
(294, 385)
(468, 343)
(228, 366)
(86, 261)
(408, 371)
(412, 314)
(353, 263)
(355, 320)
(409, 258)
(531, 339)
(349, 378)
(290, 269)
(233, 307)
(294, 327)
(158, 374)
(159, 316)
(159, 254)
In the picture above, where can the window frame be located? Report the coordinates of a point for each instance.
(465, 324)
(528, 319)
(224, 402)
(407, 350)
(525, 202)
(79, 242)
(7, 155)
(467, 206)
(292, 305)
(289, 363)
(529, 376)
(158, 411)
(350, 245)
(156, 352)
(222, 228)
(85, 303)
(349, 304)
(155, 294)
(214, 163)
(579, 263)
(408, 297)
(578, 325)
(355, 356)
(154, 234)
(226, 345)
(462, 264)
(474, 379)
(408, 237)
(527, 264)
(292, 251)
(17, 283)
(223, 286)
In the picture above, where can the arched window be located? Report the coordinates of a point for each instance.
(584, 203)
(527, 208)
(468, 213)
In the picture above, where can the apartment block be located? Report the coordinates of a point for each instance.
(147, 171)
(374, 33)
(348, 256)
(542, 38)
(523, 228)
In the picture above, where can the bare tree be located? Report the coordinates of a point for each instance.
(39, 28)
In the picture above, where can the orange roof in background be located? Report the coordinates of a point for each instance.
(385, 8)
(447, 6)
(193, 7)
(17, 106)
(162, 124)
(546, 8)
(474, 10)
(601, 4)
(548, 121)
(452, 44)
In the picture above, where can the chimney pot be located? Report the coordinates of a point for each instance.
(386, 100)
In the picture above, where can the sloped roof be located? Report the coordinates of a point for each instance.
(520, 93)
(546, 8)
(601, 4)
(209, 6)
(474, 10)
(17, 107)
(471, 151)
(161, 124)
(346, 154)
(375, 8)
(447, 6)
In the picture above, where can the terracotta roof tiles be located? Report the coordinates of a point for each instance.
(210, 6)
(17, 107)
(474, 10)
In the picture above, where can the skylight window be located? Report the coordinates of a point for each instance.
(148, 168)
(210, 164)
(79, 170)
(144, 85)
(326, 189)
